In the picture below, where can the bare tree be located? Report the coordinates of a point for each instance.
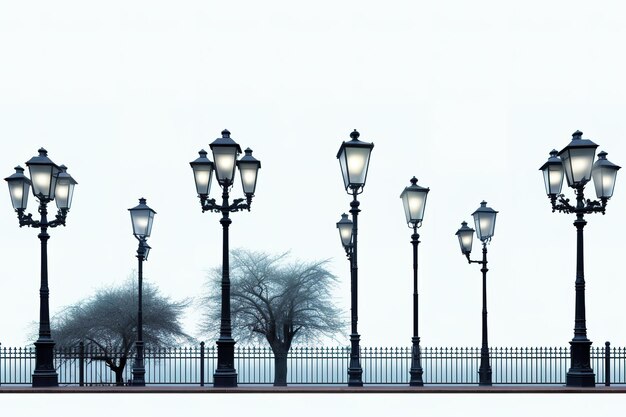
(107, 322)
(276, 301)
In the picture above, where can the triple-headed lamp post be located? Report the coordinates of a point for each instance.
(49, 182)
(414, 201)
(225, 152)
(575, 162)
(142, 218)
(485, 223)
(354, 157)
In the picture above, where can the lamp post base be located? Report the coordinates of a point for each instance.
(355, 372)
(45, 379)
(580, 374)
(139, 378)
(225, 375)
(484, 377)
(44, 375)
(416, 364)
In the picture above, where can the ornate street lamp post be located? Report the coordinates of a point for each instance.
(485, 223)
(576, 162)
(414, 201)
(49, 182)
(354, 157)
(142, 218)
(225, 152)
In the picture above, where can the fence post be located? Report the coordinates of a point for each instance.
(81, 364)
(201, 364)
(607, 364)
(1, 356)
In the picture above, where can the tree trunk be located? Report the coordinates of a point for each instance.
(280, 366)
(119, 376)
(119, 372)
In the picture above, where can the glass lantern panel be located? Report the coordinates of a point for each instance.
(465, 241)
(225, 157)
(142, 222)
(203, 176)
(580, 162)
(248, 173)
(63, 193)
(553, 179)
(485, 224)
(345, 233)
(604, 181)
(19, 194)
(357, 159)
(43, 180)
(416, 203)
(344, 170)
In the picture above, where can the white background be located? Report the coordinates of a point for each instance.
(470, 97)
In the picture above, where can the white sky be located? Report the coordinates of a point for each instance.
(470, 97)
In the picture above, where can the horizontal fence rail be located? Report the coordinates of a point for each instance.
(319, 365)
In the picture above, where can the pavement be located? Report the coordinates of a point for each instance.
(303, 389)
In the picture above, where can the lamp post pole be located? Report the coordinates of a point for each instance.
(416, 356)
(484, 372)
(49, 182)
(139, 370)
(225, 374)
(355, 372)
(225, 152)
(575, 162)
(45, 374)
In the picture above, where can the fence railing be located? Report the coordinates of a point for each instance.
(321, 365)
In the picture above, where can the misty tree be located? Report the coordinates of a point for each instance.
(107, 324)
(276, 301)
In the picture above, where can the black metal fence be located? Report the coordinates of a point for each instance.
(322, 365)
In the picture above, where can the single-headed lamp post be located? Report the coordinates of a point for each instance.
(49, 182)
(354, 157)
(225, 152)
(142, 218)
(414, 201)
(575, 162)
(485, 223)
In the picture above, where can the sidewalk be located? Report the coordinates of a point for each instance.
(500, 389)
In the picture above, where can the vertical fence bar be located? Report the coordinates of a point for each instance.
(201, 364)
(607, 364)
(81, 364)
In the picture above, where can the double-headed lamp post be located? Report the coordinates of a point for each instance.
(575, 162)
(354, 157)
(414, 201)
(142, 218)
(49, 182)
(485, 223)
(225, 152)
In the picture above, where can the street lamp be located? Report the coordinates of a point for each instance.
(485, 223)
(414, 201)
(142, 218)
(225, 152)
(354, 159)
(575, 162)
(47, 179)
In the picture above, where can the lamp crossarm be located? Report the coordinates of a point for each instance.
(27, 219)
(586, 206)
(237, 205)
(470, 261)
